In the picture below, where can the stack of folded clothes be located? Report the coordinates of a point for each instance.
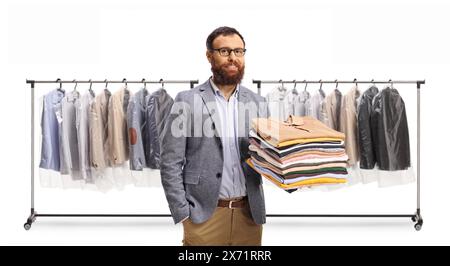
(300, 152)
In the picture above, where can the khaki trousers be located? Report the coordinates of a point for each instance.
(226, 227)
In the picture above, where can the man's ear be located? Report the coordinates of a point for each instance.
(208, 56)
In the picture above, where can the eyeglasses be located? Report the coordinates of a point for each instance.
(239, 52)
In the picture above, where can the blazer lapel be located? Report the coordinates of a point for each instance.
(242, 101)
(209, 100)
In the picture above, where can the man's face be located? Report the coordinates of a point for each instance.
(227, 70)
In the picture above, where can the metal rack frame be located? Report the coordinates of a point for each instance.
(416, 217)
(33, 214)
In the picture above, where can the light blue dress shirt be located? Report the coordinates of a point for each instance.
(50, 156)
(233, 179)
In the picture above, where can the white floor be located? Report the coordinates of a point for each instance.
(360, 198)
(277, 231)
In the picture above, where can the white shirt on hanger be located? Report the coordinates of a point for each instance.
(275, 101)
(288, 102)
(315, 106)
(302, 103)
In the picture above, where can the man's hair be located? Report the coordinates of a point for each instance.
(226, 31)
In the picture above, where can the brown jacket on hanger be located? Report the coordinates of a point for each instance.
(98, 131)
(117, 126)
(348, 124)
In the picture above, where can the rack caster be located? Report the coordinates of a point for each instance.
(418, 225)
(27, 226)
(417, 218)
(31, 219)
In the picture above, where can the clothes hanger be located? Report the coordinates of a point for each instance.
(373, 84)
(281, 88)
(60, 89)
(356, 90)
(75, 88)
(126, 96)
(145, 84)
(162, 83)
(75, 94)
(322, 93)
(306, 85)
(126, 83)
(90, 88)
(337, 89)
(106, 90)
(294, 90)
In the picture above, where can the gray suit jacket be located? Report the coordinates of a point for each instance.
(136, 122)
(191, 164)
(158, 106)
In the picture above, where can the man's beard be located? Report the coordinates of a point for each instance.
(221, 77)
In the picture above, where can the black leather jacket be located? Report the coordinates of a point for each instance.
(366, 143)
(389, 128)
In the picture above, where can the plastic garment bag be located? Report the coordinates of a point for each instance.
(389, 128)
(365, 141)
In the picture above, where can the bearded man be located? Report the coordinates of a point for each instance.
(210, 189)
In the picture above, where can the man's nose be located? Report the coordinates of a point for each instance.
(231, 56)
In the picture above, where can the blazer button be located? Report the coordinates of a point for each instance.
(219, 175)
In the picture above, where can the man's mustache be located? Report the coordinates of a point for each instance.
(232, 64)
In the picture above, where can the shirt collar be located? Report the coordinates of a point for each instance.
(217, 91)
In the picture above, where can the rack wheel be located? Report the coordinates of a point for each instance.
(27, 226)
(418, 226)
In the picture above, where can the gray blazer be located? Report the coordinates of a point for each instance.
(136, 123)
(191, 165)
(158, 106)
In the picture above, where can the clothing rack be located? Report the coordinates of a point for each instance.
(33, 213)
(416, 217)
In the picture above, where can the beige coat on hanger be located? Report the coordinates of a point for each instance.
(348, 124)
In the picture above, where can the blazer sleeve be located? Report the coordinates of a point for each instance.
(173, 148)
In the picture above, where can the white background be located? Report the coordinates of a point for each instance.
(309, 40)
